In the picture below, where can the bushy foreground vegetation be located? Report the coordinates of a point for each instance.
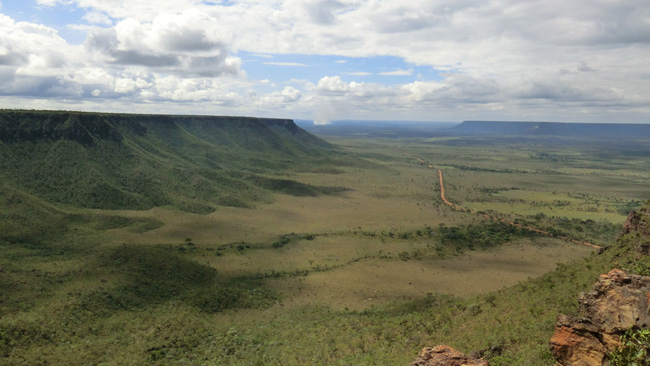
(635, 349)
(137, 304)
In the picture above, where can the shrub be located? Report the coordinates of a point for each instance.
(634, 350)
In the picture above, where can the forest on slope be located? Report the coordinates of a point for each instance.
(194, 163)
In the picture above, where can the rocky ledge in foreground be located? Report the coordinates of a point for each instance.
(618, 302)
(445, 356)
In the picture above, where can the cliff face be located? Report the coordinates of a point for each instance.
(36, 126)
(131, 161)
(89, 128)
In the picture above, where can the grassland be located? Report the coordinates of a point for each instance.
(367, 274)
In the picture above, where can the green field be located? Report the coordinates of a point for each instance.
(366, 267)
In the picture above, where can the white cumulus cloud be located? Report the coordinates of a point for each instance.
(399, 72)
(332, 84)
(191, 43)
(99, 18)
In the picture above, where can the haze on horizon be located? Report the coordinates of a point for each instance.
(578, 61)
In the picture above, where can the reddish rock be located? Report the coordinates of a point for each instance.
(445, 356)
(618, 302)
(576, 344)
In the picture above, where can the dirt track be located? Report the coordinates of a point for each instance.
(463, 209)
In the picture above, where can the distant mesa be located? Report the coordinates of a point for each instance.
(500, 128)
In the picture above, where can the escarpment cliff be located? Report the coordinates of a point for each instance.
(134, 161)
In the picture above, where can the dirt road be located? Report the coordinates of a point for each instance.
(463, 209)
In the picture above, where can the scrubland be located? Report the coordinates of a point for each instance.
(366, 274)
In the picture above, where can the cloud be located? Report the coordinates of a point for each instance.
(582, 66)
(323, 11)
(550, 90)
(295, 64)
(98, 18)
(35, 61)
(399, 72)
(332, 85)
(340, 61)
(287, 95)
(141, 10)
(286, 100)
(359, 73)
(47, 2)
(128, 85)
(191, 43)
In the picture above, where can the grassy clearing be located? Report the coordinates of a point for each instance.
(378, 281)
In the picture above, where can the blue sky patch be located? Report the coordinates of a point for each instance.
(386, 70)
(57, 17)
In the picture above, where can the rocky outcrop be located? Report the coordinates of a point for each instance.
(445, 356)
(618, 302)
(639, 222)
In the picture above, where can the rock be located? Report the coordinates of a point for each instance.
(445, 356)
(626, 293)
(618, 302)
(575, 343)
(639, 222)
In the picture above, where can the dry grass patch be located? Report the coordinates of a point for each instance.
(381, 199)
(363, 284)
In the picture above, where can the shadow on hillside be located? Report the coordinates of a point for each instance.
(146, 275)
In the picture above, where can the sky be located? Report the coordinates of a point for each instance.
(419, 60)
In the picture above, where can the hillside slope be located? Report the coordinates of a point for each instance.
(126, 161)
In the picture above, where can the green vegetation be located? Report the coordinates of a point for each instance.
(147, 275)
(483, 237)
(130, 239)
(635, 350)
(193, 163)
